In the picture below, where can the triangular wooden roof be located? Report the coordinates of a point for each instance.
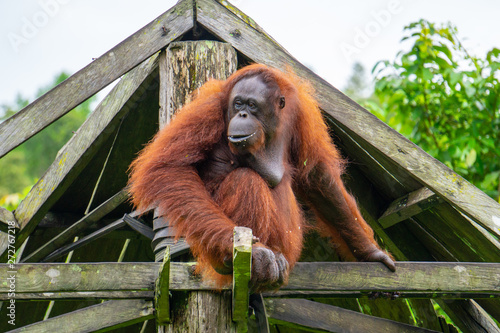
(445, 217)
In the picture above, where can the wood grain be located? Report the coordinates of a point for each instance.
(409, 205)
(317, 317)
(98, 318)
(402, 158)
(412, 278)
(98, 74)
(74, 156)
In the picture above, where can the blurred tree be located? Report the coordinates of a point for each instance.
(25, 164)
(445, 100)
(357, 85)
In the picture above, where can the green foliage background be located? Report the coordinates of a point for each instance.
(20, 169)
(445, 100)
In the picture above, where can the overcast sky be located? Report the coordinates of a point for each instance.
(41, 38)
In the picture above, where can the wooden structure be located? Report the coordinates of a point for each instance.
(75, 221)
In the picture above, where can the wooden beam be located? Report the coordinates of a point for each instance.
(97, 318)
(75, 155)
(409, 205)
(339, 279)
(98, 74)
(7, 220)
(138, 226)
(162, 291)
(85, 222)
(186, 67)
(468, 316)
(391, 149)
(409, 276)
(84, 240)
(318, 317)
(242, 268)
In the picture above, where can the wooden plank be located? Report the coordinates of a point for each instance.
(367, 294)
(103, 317)
(72, 277)
(189, 65)
(162, 290)
(409, 276)
(370, 200)
(73, 157)
(388, 181)
(437, 249)
(84, 240)
(82, 295)
(397, 155)
(85, 222)
(318, 317)
(138, 226)
(469, 316)
(436, 279)
(192, 63)
(98, 74)
(7, 220)
(409, 205)
(463, 240)
(163, 117)
(422, 310)
(392, 149)
(242, 268)
(200, 312)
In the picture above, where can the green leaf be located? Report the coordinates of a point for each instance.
(443, 48)
(442, 63)
(426, 74)
(470, 91)
(471, 158)
(454, 78)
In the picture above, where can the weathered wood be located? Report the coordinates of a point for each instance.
(162, 302)
(7, 219)
(468, 316)
(318, 317)
(200, 312)
(438, 250)
(77, 227)
(388, 181)
(413, 279)
(84, 240)
(195, 63)
(396, 240)
(95, 76)
(163, 118)
(410, 205)
(463, 239)
(82, 295)
(188, 66)
(242, 268)
(389, 147)
(98, 318)
(403, 160)
(73, 157)
(483, 249)
(368, 294)
(409, 276)
(138, 226)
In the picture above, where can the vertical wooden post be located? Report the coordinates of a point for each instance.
(184, 67)
(242, 266)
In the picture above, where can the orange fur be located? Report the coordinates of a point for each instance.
(166, 174)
